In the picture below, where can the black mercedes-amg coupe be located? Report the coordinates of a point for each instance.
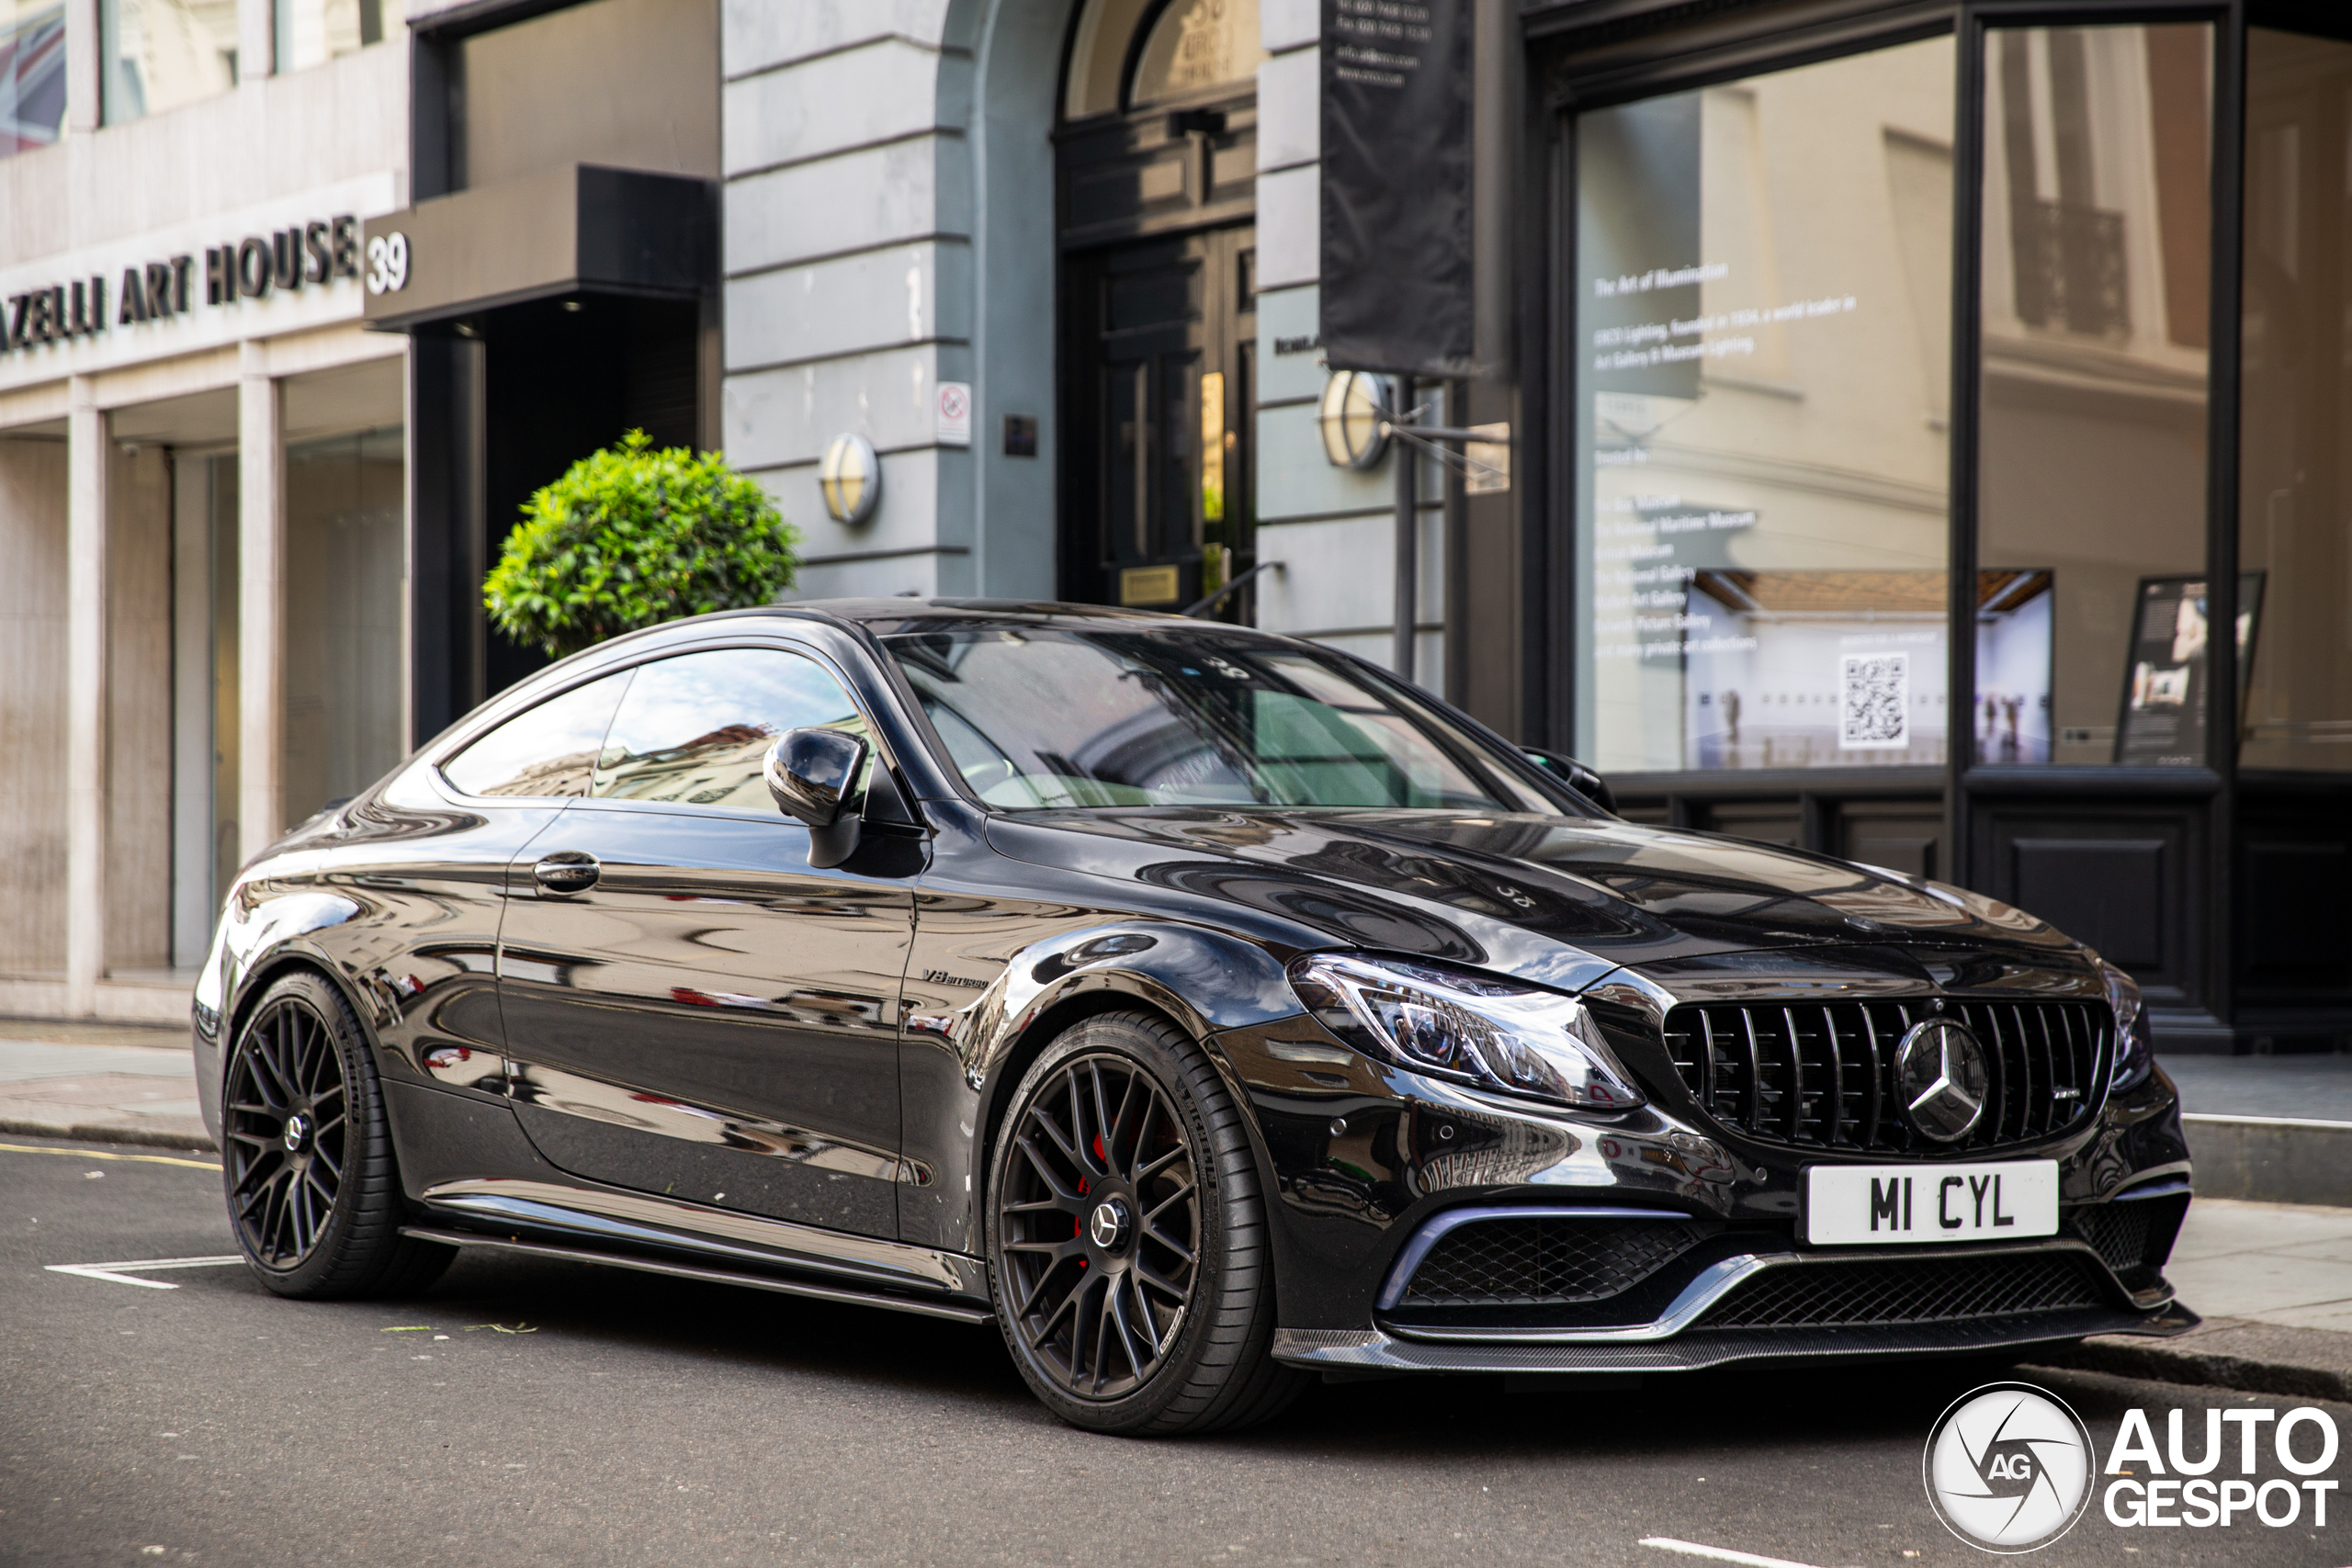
(1207, 1008)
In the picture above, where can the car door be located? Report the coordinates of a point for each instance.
(690, 1008)
(433, 857)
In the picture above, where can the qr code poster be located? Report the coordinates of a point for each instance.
(1874, 708)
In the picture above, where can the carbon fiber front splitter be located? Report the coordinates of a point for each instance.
(1373, 1350)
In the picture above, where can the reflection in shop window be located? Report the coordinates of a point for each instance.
(1763, 293)
(159, 54)
(2090, 638)
(32, 75)
(312, 32)
(344, 556)
(2295, 424)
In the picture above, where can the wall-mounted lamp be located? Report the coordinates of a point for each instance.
(851, 479)
(1354, 418)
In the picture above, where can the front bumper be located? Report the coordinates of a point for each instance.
(1367, 1165)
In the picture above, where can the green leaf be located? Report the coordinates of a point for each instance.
(632, 537)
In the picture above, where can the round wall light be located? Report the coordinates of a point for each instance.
(851, 479)
(1354, 418)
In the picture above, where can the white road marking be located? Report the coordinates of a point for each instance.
(114, 1271)
(1719, 1553)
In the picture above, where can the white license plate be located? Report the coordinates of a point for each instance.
(1854, 1206)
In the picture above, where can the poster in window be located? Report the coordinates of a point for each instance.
(2163, 724)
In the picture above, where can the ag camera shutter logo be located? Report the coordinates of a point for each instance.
(2009, 1467)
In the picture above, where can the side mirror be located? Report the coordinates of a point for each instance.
(810, 772)
(1578, 777)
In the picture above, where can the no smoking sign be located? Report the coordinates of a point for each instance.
(955, 413)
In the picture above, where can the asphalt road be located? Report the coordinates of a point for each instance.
(524, 1412)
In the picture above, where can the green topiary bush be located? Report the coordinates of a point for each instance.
(632, 537)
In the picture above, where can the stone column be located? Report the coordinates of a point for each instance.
(85, 78)
(256, 40)
(261, 618)
(87, 698)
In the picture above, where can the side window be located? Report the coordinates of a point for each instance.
(694, 730)
(547, 750)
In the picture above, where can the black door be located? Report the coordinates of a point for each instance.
(1165, 333)
(1157, 202)
(690, 1008)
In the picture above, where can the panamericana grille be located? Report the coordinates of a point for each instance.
(1545, 1262)
(1909, 1290)
(1822, 1072)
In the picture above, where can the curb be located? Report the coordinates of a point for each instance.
(90, 1132)
(2246, 1358)
(2271, 1159)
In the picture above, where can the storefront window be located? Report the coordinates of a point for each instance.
(159, 54)
(32, 75)
(206, 847)
(2091, 635)
(1762, 300)
(2295, 419)
(343, 617)
(312, 32)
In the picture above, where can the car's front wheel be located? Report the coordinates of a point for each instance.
(1127, 1244)
(314, 1195)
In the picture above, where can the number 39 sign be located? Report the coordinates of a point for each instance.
(387, 264)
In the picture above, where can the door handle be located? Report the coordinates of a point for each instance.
(567, 871)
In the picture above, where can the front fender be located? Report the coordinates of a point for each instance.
(961, 1064)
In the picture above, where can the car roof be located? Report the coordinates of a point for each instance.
(905, 613)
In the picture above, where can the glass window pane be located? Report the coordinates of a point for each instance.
(1763, 297)
(1035, 717)
(2295, 422)
(312, 32)
(32, 75)
(1196, 45)
(159, 54)
(2091, 533)
(695, 729)
(344, 555)
(544, 751)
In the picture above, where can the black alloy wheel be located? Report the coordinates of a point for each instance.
(286, 1111)
(1101, 1225)
(1128, 1252)
(313, 1194)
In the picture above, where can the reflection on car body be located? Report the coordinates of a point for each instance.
(1127, 923)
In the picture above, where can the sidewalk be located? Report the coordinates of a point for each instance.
(2274, 1284)
(110, 1082)
(2274, 1129)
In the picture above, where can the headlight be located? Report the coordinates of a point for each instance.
(2135, 1053)
(1494, 1033)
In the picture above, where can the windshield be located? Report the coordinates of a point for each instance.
(1038, 718)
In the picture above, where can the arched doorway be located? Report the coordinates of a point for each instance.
(1157, 156)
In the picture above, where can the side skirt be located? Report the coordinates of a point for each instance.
(952, 1311)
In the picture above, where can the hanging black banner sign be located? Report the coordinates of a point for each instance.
(1396, 287)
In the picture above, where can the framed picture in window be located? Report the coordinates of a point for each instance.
(2163, 722)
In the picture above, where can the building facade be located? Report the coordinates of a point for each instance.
(1808, 333)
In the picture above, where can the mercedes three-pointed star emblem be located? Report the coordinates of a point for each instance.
(1942, 1079)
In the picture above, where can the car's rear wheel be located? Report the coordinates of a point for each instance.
(314, 1195)
(1127, 1244)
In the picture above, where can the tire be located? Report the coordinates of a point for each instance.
(307, 1163)
(1153, 1313)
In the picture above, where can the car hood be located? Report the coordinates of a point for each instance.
(1540, 895)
